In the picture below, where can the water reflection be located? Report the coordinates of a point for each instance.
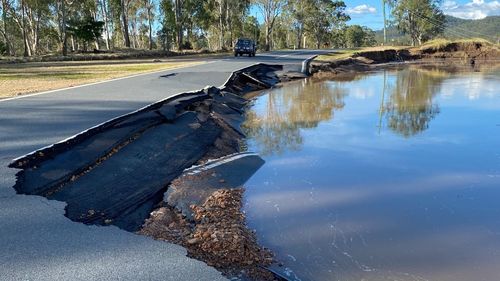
(407, 106)
(410, 107)
(298, 106)
(392, 176)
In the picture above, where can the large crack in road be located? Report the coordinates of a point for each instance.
(118, 173)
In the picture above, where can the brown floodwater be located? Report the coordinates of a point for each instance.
(389, 175)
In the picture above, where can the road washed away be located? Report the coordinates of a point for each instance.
(173, 170)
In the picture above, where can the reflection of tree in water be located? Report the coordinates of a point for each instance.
(290, 109)
(410, 108)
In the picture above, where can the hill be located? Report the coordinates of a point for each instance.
(487, 28)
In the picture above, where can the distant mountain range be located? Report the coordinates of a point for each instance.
(455, 28)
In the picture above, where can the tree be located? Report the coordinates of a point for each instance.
(323, 15)
(149, 10)
(9, 49)
(124, 5)
(87, 29)
(270, 10)
(421, 19)
(103, 6)
(167, 32)
(61, 16)
(354, 36)
(359, 36)
(297, 10)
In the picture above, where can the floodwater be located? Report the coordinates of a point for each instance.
(390, 175)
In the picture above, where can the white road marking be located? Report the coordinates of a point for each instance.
(102, 82)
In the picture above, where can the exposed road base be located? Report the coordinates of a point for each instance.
(117, 173)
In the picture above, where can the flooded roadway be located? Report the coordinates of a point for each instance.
(391, 175)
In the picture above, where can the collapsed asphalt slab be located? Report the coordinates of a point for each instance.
(115, 173)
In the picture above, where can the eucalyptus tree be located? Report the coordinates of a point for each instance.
(6, 29)
(322, 16)
(120, 12)
(103, 7)
(167, 33)
(271, 10)
(149, 7)
(421, 19)
(297, 10)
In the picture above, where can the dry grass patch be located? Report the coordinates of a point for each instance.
(336, 55)
(25, 78)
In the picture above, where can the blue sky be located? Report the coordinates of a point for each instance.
(369, 12)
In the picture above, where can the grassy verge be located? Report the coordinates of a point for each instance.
(25, 78)
(337, 55)
(442, 44)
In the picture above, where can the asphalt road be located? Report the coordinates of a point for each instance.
(37, 242)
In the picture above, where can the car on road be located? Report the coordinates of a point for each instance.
(245, 46)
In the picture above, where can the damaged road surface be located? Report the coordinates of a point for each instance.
(117, 173)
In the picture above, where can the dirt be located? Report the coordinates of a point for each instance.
(460, 50)
(471, 53)
(217, 235)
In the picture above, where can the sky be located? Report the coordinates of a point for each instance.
(369, 12)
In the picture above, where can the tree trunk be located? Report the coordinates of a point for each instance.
(64, 35)
(268, 38)
(104, 12)
(229, 24)
(124, 16)
(5, 32)
(73, 48)
(178, 23)
(36, 33)
(221, 25)
(27, 51)
(150, 23)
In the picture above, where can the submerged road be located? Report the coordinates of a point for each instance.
(37, 242)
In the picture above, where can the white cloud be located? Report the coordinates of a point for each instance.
(361, 9)
(477, 9)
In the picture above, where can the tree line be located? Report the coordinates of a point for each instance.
(38, 27)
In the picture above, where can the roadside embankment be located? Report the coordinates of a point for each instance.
(466, 52)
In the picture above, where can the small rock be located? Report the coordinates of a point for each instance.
(193, 241)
